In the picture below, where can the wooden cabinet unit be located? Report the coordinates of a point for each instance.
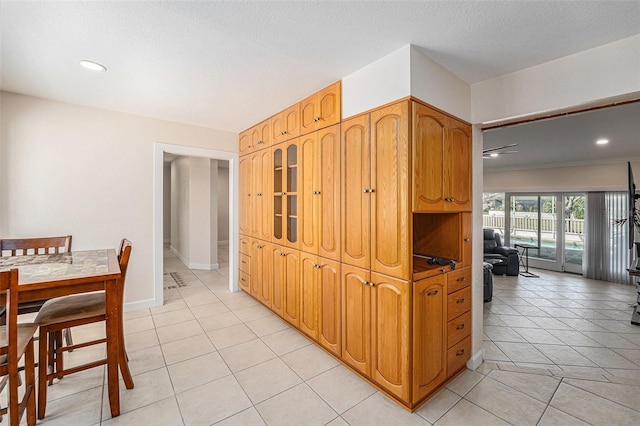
(322, 109)
(338, 220)
(441, 162)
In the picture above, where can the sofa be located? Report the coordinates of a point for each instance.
(505, 260)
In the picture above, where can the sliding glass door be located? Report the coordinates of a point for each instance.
(552, 223)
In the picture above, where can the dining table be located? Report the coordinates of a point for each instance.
(44, 276)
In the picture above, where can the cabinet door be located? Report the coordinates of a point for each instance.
(265, 283)
(244, 200)
(292, 121)
(308, 202)
(356, 318)
(467, 231)
(244, 142)
(279, 198)
(263, 198)
(428, 138)
(278, 259)
(390, 310)
(457, 166)
(257, 273)
(291, 223)
(291, 304)
(257, 173)
(308, 114)
(328, 106)
(309, 294)
(389, 191)
(329, 305)
(429, 344)
(327, 215)
(263, 134)
(355, 206)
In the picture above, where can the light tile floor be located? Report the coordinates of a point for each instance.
(559, 351)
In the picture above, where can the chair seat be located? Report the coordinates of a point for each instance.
(70, 308)
(25, 334)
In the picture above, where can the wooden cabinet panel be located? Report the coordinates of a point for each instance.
(329, 330)
(245, 214)
(458, 329)
(356, 207)
(265, 278)
(286, 124)
(356, 318)
(309, 295)
(279, 279)
(256, 266)
(428, 138)
(327, 215)
(261, 135)
(458, 355)
(322, 109)
(458, 279)
(459, 302)
(389, 191)
(307, 194)
(245, 245)
(244, 142)
(261, 164)
(390, 308)
(245, 265)
(245, 282)
(467, 232)
(457, 166)
(291, 303)
(291, 185)
(429, 350)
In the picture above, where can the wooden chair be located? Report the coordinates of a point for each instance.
(71, 311)
(16, 340)
(31, 246)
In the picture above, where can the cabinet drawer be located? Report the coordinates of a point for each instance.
(245, 245)
(245, 281)
(458, 279)
(458, 329)
(458, 355)
(458, 303)
(245, 263)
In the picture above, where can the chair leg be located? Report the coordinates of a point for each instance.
(68, 338)
(44, 361)
(57, 356)
(30, 385)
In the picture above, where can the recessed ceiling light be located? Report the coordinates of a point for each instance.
(93, 66)
(602, 141)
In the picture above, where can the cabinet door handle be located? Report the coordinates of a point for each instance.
(259, 194)
(460, 327)
(243, 242)
(242, 261)
(259, 246)
(432, 293)
(459, 301)
(316, 192)
(242, 279)
(461, 279)
(259, 142)
(282, 254)
(466, 240)
(365, 190)
(460, 352)
(371, 284)
(316, 119)
(284, 132)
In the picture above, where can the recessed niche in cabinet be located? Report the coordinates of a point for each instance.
(438, 235)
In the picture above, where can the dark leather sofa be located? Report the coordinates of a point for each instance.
(504, 259)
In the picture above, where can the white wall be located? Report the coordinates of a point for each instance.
(578, 178)
(223, 203)
(609, 71)
(180, 202)
(68, 169)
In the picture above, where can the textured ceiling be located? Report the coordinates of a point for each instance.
(227, 65)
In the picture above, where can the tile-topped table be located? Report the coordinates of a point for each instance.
(44, 276)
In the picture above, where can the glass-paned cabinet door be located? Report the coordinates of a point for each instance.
(278, 195)
(292, 195)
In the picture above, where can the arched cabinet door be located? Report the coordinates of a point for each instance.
(356, 318)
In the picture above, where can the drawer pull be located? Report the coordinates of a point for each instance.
(459, 301)
(242, 261)
(432, 293)
(466, 240)
(242, 279)
(461, 279)
(460, 352)
(460, 327)
(243, 242)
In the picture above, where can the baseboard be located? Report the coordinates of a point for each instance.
(204, 266)
(141, 304)
(166, 241)
(476, 360)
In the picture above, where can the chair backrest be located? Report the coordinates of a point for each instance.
(29, 246)
(9, 341)
(124, 253)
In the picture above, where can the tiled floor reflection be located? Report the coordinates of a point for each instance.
(559, 350)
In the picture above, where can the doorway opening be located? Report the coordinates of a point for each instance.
(158, 222)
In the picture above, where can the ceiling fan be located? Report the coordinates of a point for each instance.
(495, 152)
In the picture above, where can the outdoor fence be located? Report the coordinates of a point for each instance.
(547, 225)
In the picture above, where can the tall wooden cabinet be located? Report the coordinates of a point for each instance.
(338, 241)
